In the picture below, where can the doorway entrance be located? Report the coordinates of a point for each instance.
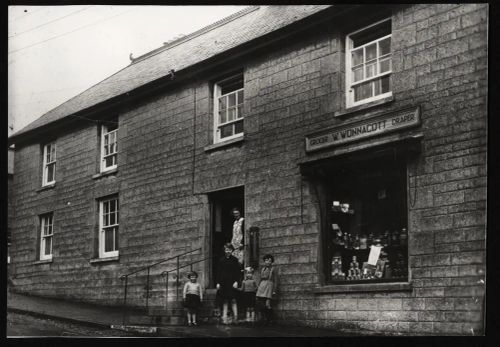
(221, 205)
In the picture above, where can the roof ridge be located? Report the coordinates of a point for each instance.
(196, 33)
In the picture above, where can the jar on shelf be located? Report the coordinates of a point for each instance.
(363, 242)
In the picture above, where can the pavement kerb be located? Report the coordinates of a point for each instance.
(66, 319)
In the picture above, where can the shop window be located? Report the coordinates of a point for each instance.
(109, 145)
(228, 108)
(368, 64)
(46, 236)
(367, 235)
(49, 164)
(108, 227)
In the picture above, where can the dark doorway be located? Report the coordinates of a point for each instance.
(221, 205)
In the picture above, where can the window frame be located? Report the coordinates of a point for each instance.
(47, 164)
(217, 95)
(376, 77)
(44, 224)
(103, 157)
(102, 228)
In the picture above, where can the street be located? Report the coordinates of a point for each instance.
(22, 325)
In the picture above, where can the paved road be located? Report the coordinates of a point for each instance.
(22, 325)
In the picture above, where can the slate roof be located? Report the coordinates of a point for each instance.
(239, 28)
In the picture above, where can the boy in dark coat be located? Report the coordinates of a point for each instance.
(228, 273)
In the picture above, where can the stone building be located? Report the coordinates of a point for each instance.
(352, 136)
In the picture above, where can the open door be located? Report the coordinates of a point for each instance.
(222, 203)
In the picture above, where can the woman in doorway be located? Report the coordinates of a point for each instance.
(228, 273)
(237, 239)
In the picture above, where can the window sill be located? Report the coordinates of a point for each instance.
(105, 173)
(224, 144)
(363, 287)
(104, 260)
(46, 187)
(44, 261)
(363, 107)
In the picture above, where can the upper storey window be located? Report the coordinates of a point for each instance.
(368, 63)
(49, 164)
(228, 108)
(109, 145)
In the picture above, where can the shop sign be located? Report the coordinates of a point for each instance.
(361, 130)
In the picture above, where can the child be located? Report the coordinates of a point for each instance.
(267, 288)
(248, 288)
(228, 273)
(192, 295)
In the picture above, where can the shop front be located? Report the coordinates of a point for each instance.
(363, 190)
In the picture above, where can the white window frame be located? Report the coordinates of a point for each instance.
(349, 75)
(104, 224)
(217, 125)
(107, 134)
(46, 232)
(49, 160)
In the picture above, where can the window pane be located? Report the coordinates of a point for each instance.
(231, 100)
(385, 46)
(226, 131)
(371, 70)
(231, 114)
(376, 87)
(240, 97)
(108, 240)
(109, 161)
(385, 84)
(357, 56)
(223, 117)
(357, 74)
(385, 65)
(48, 245)
(222, 103)
(362, 91)
(240, 111)
(238, 127)
(371, 52)
(51, 172)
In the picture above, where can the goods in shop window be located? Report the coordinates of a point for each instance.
(370, 238)
(356, 242)
(379, 269)
(363, 244)
(403, 239)
(385, 238)
(395, 238)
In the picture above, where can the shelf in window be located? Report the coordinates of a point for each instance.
(363, 287)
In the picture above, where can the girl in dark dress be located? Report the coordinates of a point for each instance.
(228, 273)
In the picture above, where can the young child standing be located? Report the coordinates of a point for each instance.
(248, 289)
(267, 288)
(192, 295)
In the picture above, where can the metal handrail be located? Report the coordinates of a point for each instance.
(167, 272)
(148, 268)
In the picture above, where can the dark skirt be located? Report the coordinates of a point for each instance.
(192, 301)
(248, 299)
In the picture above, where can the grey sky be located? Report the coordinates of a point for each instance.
(56, 52)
